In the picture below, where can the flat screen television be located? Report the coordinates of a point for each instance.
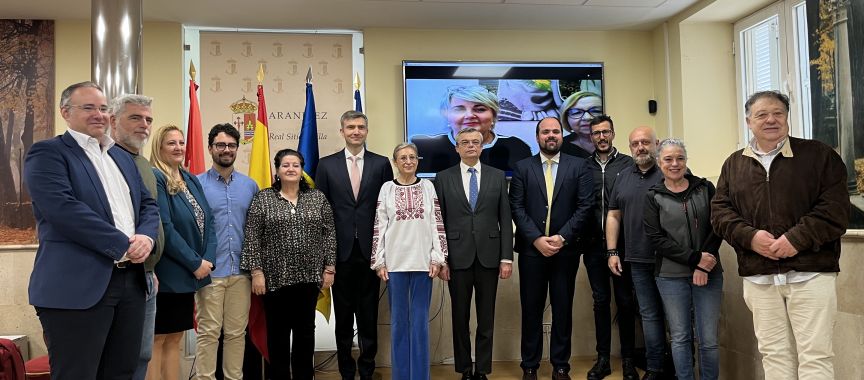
(443, 97)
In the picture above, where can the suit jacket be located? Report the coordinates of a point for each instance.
(571, 202)
(78, 242)
(486, 232)
(352, 216)
(184, 246)
(437, 153)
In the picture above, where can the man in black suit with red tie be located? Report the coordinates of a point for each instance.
(476, 212)
(550, 196)
(351, 180)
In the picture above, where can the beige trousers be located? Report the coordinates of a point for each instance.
(792, 318)
(222, 307)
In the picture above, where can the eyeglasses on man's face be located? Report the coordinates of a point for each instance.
(604, 132)
(223, 146)
(89, 108)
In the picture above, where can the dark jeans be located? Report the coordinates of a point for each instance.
(651, 312)
(355, 293)
(104, 341)
(601, 290)
(290, 314)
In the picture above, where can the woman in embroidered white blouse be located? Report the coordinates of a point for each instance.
(409, 247)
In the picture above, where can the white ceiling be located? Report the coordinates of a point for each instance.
(361, 14)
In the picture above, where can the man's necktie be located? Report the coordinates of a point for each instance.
(550, 188)
(473, 189)
(355, 175)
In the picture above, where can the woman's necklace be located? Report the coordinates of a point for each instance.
(292, 203)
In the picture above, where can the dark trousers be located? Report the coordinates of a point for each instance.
(538, 276)
(464, 282)
(601, 290)
(355, 294)
(290, 314)
(102, 342)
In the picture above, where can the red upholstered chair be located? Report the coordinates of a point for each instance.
(38, 368)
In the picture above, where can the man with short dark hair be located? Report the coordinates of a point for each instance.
(626, 206)
(351, 179)
(223, 305)
(476, 213)
(97, 224)
(782, 203)
(606, 164)
(131, 119)
(550, 198)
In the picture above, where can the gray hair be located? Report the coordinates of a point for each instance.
(466, 131)
(67, 93)
(777, 95)
(118, 104)
(672, 142)
(351, 115)
(403, 146)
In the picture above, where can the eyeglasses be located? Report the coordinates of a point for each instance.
(605, 133)
(223, 146)
(470, 142)
(407, 158)
(577, 113)
(90, 108)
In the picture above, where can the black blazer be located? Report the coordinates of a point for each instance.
(571, 201)
(485, 233)
(352, 216)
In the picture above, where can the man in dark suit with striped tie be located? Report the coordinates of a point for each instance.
(476, 212)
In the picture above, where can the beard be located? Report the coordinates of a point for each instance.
(550, 150)
(604, 151)
(645, 159)
(225, 160)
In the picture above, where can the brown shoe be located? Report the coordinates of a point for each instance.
(560, 374)
(529, 374)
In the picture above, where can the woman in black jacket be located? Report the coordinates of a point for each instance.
(689, 276)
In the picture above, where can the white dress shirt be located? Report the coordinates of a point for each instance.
(113, 182)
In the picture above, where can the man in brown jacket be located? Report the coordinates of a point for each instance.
(782, 203)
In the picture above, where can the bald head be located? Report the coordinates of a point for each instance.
(643, 146)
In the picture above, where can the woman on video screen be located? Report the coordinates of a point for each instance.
(476, 107)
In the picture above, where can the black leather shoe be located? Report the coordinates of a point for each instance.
(629, 369)
(529, 374)
(480, 376)
(651, 375)
(560, 374)
(467, 375)
(600, 369)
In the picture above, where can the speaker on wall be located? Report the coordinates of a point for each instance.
(652, 106)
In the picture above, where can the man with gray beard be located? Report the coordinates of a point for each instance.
(626, 205)
(131, 119)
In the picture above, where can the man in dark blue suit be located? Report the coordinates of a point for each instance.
(97, 223)
(351, 179)
(550, 197)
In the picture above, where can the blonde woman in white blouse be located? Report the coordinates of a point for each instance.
(409, 247)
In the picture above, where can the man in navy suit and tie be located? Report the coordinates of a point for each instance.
(351, 180)
(551, 197)
(476, 212)
(97, 223)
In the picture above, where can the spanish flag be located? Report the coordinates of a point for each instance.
(259, 171)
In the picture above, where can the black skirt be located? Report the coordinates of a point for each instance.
(175, 312)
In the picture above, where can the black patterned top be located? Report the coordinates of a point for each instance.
(199, 213)
(290, 244)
